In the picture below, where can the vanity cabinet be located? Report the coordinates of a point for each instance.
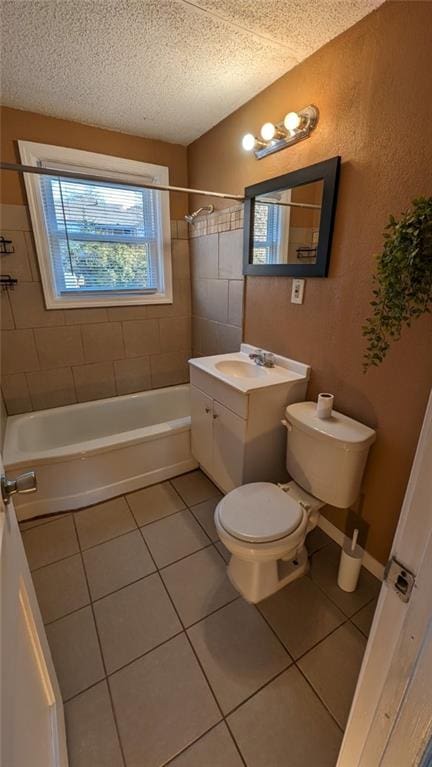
(237, 436)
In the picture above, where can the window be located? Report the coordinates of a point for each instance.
(99, 243)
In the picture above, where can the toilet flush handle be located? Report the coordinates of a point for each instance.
(287, 424)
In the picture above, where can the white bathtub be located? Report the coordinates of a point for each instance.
(86, 453)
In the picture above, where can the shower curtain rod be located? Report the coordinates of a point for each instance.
(162, 188)
(90, 177)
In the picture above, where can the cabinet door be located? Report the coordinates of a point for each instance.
(229, 434)
(202, 428)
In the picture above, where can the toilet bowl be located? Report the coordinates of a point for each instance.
(264, 525)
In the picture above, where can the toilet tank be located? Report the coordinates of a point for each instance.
(326, 457)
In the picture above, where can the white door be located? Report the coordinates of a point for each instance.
(229, 436)
(202, 428)
(31, 713)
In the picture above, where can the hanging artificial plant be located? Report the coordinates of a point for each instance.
(403, 279)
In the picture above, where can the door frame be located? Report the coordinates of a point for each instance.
(390, 713)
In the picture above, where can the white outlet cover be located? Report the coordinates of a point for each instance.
(297, 291)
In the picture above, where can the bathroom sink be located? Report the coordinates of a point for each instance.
(240, 369)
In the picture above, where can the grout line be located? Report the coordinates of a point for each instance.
(101, 653)
(309, 683)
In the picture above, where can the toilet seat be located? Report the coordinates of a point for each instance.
(259, 512)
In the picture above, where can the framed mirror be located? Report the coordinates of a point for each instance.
(288, 222)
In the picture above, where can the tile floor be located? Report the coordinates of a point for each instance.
(161, 662)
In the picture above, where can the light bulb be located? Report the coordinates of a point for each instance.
(268, 131)
(292, 121)
(248, 142)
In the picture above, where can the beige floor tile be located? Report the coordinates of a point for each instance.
(61, 588)
(174, 537)
(102, 522)
(27, 524)
(215, 749)
(363, 619)
(286, 724)
(154, 502)
(133, 620)
(204, 513)
(116, 563)
(301, 615)
(91, 732)
(223, 551)
(333, 667)
(75, 651)
(195, 487)
(316, 540)
(162, 703)
(324, 569)
(198, 585)
(238, 651)
(49, 543)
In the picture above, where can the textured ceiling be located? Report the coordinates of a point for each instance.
(168, 69)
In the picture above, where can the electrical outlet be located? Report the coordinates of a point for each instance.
(297, 291)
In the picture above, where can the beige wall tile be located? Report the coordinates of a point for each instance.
(181, 306)
(94, 381)
(209, 337)
(180, 259)
(16, 264)
(15, 217)
(132, 375)
(16, 394)
(59, 347)
(18, 351)
(231, 255)
(235, 302)
(182, 230)
(51, 388)
(103, 342)
(200, 297)
(204, 256)
(85, 316)
(173, 230)
(28, 307)
(230, 338)
(32, 257)
(175, 334)
(141, 337)
(217, 300)
(120, 313)
(169, 369)
(6, 317)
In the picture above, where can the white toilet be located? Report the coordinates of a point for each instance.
(264, 525)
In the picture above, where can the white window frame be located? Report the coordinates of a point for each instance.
(92, 163)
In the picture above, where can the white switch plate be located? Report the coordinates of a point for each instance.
(297, 291)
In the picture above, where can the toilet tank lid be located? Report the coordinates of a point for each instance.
(351, 434)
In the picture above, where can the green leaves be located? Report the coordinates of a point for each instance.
(403, 280)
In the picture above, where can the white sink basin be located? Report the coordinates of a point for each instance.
(239, 369)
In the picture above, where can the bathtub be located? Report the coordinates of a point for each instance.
(86, 453)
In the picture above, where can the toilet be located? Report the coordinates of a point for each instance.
(264, 525)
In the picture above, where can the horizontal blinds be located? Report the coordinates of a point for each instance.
(266, 233)
(103, 237)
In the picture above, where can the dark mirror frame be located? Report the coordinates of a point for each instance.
(327, 171)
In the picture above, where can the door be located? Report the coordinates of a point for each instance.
(202, 428)
(31, 710)
(229, 437)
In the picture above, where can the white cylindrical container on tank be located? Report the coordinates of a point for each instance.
(350, 564)
(325, 405)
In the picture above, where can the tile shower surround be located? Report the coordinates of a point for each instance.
(58, 357)
(159, 659)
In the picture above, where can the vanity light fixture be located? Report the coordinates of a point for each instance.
(294, 127)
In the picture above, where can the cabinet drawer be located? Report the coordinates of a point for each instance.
(218, 390)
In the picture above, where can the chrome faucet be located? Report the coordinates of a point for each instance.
(262, 358)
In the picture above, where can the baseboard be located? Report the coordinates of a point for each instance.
(371, 564)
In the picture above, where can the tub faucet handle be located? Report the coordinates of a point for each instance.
(24, 483)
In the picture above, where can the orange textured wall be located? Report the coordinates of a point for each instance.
(373, 87)
(17, 124)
